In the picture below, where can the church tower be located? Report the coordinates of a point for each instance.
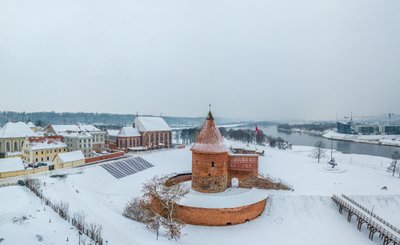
(209, 159)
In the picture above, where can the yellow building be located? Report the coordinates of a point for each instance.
(69, 159)
(43, 149)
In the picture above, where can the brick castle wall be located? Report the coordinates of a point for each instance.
(209, 172)
(219, 216)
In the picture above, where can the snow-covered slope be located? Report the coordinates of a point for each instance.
(23, 217)
(305, 216)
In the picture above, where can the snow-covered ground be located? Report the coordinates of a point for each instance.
(392, 140)
(304, 216)
(24, 219)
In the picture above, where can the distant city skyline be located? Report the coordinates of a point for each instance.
(256, 60)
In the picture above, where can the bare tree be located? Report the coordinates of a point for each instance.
(63, 209)
(156, 207)
(319, 150)
(95, 231)
(79, 220)
(395, 164)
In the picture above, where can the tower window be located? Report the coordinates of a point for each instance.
(212, 164)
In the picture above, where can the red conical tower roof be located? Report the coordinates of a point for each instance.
(209, 139)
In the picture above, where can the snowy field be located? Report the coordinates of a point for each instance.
(304, 216)
(25, 220)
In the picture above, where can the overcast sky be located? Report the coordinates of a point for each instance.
(255, 59)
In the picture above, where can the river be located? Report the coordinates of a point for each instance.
(344, 146)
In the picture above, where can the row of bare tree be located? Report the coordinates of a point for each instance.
(92, 230)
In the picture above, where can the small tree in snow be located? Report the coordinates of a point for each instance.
(156, 207)
(395, 164)
(319, 150)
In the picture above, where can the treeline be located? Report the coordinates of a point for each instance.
(101, 119)
(311, 126)
(188, 136)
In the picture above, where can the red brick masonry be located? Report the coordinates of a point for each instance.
(219, 216)
(104, 157)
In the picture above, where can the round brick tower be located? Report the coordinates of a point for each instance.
(209, 159)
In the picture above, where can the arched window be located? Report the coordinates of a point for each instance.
(212, 164)
(16, 146)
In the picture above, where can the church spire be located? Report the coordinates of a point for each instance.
(210, 116)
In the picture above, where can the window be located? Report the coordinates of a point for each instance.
(212, 164)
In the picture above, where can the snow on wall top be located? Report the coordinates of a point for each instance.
(129, 132)
(145, 124)
(79, 134)
(71, 156)
(209, 139)
(16, 130)
(231, 198)
(11, 164)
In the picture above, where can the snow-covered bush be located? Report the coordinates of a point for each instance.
(137, 209)
(156, 207)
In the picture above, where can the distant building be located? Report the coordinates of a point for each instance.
(12, 137)
(43, 149)
(146, 133)
(390, 129)
(98, 137)
(155, 132)
(69, 159)
(345, 128)
(367, 129)
(32, 126)
(128, 137)
(82, 141)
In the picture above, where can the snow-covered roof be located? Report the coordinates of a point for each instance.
(31, 125)
(16, 130)
(129, 132)
(47, 144)
(11, 164)
(74, 128)
(71, 156)
(209, 139)
(65, 128)
(113, 132)
(231, 198)
(145, 124)
(88, 127)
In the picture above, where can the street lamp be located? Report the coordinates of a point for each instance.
(79, 234)
(373, 206)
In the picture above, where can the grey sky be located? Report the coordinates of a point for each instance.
(257, 59)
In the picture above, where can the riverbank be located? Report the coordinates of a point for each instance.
(299, 130)
(388, 140)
